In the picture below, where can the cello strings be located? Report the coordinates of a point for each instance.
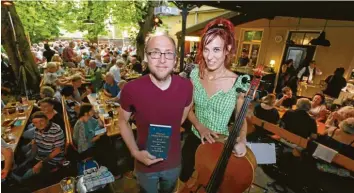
(222, 163)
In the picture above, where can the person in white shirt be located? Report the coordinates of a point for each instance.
(115, 70)
(308, 73)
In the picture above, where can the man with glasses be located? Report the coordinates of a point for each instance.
(158, 98)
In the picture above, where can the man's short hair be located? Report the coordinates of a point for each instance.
(285, 90)
(157, 35)
(120, 61)
(47, 91)
(51, 65)
(121, 83)
(39, 114)
(75, 78)
(303, 104)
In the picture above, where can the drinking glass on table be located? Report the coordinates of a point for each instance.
(24, 100)
(21, 110)
(107, 120)
(67, 185)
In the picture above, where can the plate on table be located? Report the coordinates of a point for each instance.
(8, 122)
(116, 104)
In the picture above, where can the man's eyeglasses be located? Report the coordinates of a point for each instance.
(157, 55)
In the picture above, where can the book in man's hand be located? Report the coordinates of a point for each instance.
(158, 142)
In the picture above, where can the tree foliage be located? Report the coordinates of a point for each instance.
(43, 19)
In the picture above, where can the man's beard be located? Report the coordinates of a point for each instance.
(159, 78)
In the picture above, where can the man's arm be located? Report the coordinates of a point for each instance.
(9, 156)
(126, 130)
(301, 72)
(186, 112)
(52, 155)
(318, 71)
(128, 137)
(279, 102)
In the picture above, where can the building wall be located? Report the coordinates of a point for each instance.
(195, 16)
(339, 33)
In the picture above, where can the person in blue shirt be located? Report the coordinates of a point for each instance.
(110, 87)
(121, 85)
(84, 129)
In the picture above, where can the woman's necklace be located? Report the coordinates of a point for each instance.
(211, 78)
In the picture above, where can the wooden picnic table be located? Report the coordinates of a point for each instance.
(17, 131)
(113, 128)
(55, 188)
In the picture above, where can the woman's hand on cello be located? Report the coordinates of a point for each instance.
(240, 149)
(206, 134)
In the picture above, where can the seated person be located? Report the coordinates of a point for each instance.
(299, 121)
(318, 108)
(91, 145)
(121, 85)
(286, 99)
(76, 82)
(337, 116)
(51, 76)
(94, 76)
(49, 92)
(340, 139)
(46, 105)
(110, 87)
(72, 106)
(47, 148)
(7, 156)
(266, 111)
(84, 129)
(335, 83)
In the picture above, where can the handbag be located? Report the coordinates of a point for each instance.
(87, 167)
(95, 180)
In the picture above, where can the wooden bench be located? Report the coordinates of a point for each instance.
(299, 141)
(68, 129)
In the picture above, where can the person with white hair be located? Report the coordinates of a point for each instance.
(341, 138)
(110, 88)
(336, 117)
(51, 76)
(307, 125)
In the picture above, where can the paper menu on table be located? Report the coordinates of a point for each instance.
(324, 153)
(264, 152)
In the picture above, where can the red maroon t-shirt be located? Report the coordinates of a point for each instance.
(152, 105)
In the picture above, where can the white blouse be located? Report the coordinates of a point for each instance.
(315, 112)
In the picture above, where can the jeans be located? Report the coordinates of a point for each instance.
(158, 182)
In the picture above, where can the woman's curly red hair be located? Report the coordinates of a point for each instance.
(225, 30)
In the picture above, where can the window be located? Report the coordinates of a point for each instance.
(251, 42)
(302, 37)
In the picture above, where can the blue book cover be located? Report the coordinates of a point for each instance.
(158, 142)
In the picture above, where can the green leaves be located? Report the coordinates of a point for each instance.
(44, 19)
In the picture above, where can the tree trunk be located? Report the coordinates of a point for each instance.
(22, 56)
(145, 28)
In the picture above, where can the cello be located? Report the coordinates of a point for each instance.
(218, 171)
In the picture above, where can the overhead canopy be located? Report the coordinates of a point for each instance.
(201, 25)
(246, 11)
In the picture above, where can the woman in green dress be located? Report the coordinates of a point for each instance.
(215, 97)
